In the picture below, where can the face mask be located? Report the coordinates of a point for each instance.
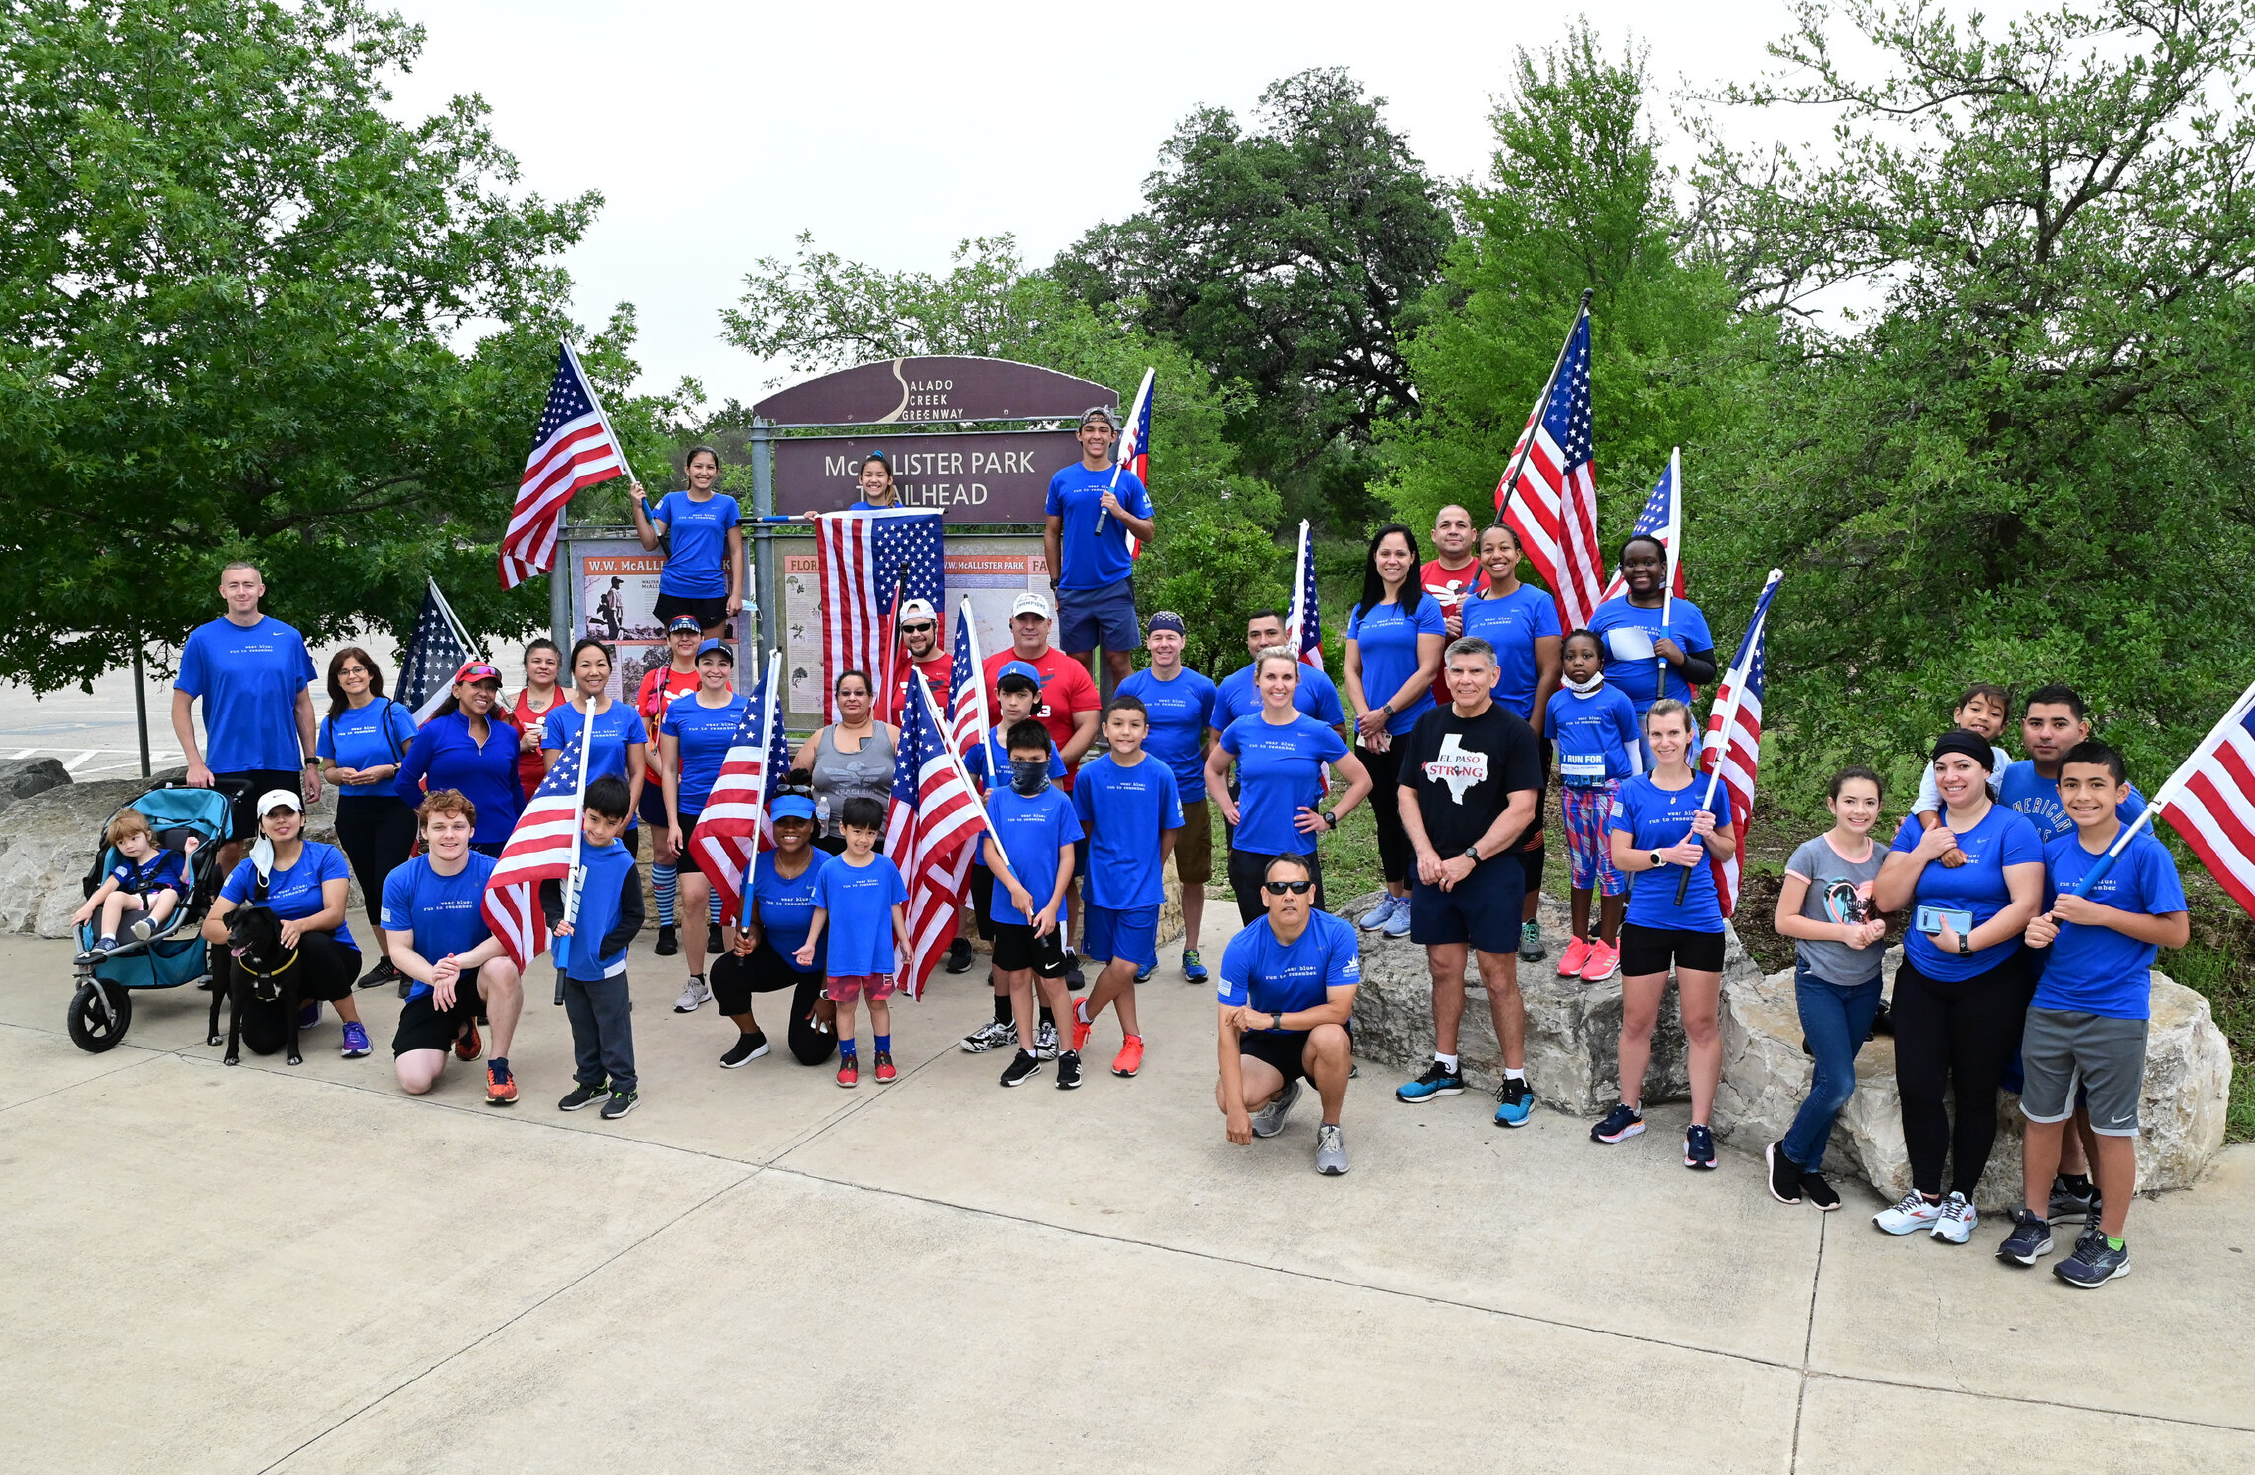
(1029, 776)
(1583, 688)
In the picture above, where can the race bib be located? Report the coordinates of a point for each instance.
(1587, 767)
(1629, 643)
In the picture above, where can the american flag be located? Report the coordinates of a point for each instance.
(967, 687)
(2210, 801)
(1553, 508)
(933, 817)
(426, 672)
(1662, 518)
(1133, 454)
(1304, 631)
(734, 825)
(870, 563)
(543, 847)
(1732, 752)
(572, 447)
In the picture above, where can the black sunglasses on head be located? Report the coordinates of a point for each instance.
(1297, 888)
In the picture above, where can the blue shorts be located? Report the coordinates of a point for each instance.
(1087, 618)
(1482, 910)
(1109, 933)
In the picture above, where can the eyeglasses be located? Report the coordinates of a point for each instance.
(1297, 888)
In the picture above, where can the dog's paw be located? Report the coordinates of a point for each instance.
(297, 1060)
(215, 1042)
(234, 1060)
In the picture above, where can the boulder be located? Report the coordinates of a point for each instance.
(20, 778)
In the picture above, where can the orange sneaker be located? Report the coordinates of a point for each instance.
(849, 1072)
(1603, 960)
(500, 1085)
(467, 1045)
(1081, 1031)
(1577, 953)
(1130, 1058)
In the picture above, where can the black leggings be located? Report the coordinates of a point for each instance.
(1959, 1036)
(1246, 872)
(1394, 850)
(375, 831)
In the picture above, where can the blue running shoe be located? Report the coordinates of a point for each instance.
(1620, 1124)
(355, 1042)
(1379, 915)
(1193, 971)
(1699, 1148)
(1143, 972)
(2094, 1263)
(1438, 1080)
(1397, 925)
(1514, 1103)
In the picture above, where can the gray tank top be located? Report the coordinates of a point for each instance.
(839, 776)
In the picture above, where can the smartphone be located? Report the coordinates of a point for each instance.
(1931, 920)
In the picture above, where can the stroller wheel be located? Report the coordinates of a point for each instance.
(93, 1030)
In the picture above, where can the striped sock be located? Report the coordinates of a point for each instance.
(665, 883)
(714, 898)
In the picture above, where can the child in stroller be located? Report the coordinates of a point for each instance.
(147, 879)
(188, 824)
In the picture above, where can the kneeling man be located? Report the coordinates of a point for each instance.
(1287, 990)
(434, 920)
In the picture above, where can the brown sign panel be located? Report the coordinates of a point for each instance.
(974, 477)
(914, 391)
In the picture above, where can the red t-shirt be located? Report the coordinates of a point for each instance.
(658, 690)
(1066, 692)
(1451, 587)
(939, 671)
(531, 767)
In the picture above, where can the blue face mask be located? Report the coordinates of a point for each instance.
(1029, 776)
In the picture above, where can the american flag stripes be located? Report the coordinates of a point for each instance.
(1662, 518)
(572, 447)
(933, 817)
(543, 847)
(2210, 801)
(734, 826)
(1303, 632)
(1553, 508)
(1732, 752)
(1133, 453)
(967, 687)
(868, 563)
(426, 672)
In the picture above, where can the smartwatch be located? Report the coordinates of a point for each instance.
(1657, 862)
(1472, 852)
(1276, 1020)
(1330, 820)
(1964, 945)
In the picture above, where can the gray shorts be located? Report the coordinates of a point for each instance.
(2107, 1055)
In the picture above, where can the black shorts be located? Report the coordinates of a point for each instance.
(736, 978)
(246, 787)
(1017, 949)
(1284, 1049)
(710, 613)
(982, 899)
(652, 809)
(1483, 909)
(423, 1026)
(1650, 949)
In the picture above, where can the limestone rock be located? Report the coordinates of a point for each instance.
(20, 778)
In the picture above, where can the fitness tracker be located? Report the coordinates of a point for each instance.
(1472, 852)
(1657, 862)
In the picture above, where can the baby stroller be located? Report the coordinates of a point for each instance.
(101, 1009)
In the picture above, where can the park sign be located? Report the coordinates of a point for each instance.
(989, 476)
(941, 389)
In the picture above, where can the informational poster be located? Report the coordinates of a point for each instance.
(617, 592)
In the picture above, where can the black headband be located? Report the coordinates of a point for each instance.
(1961, 741)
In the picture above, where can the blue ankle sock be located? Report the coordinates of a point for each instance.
(846, 1048)
(884, 1044)
(664, 885)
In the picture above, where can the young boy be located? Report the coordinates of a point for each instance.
(854, 897)
(1036, 828)
(2089, 1017)
(1982, 712)
(1131, 808)
(1017, 693)
(591, 953)
(148, 878)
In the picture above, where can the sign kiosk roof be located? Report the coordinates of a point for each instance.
(934, 390)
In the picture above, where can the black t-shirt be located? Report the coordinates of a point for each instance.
(1465, 770)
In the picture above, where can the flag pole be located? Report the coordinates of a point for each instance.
(1299, 630)
(978, 670)
(759, 791)
(996, 862)
(1668, 567)
(600, 413)
(461, 631)
(1542, 402)
(1729, 711)
(1135, 418)
(579, 820)
(2166, 794)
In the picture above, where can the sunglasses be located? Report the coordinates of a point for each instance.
(916, 629)
(1297, 888)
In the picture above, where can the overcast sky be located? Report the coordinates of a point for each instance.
(718, 131)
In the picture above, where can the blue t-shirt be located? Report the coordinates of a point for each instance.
(446, 756)
(295, 894)
(2021, 787)
(616, 729)
(366, 737)
(443, 912)
(1387, 641)
(147, 877)
(1275, 978)
(1595, 736)
(697, 563)
(1512, 623)
(1659, 819)
(250, 680)
(1279, 773)
(2004, 837)
(1628, 633)
(1180, 711)
(2097, 970)
(859, 899)
(786, 909)
(1092, 543)
(994, 752)
(1125, 811)
(705, 734)
(1033, 832)
(1317, 695)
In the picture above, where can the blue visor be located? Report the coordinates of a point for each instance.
(792, 806)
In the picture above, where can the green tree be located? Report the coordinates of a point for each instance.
(238, 308)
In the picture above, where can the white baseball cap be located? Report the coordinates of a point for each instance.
(918, 609)
(1029, 603)
(274, 799)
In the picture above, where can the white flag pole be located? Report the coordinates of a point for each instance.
(978, 675)
(461, 631)
(759, 791)
(1125, 449)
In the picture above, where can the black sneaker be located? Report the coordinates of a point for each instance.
(1021, 1069)
(747, 1049)
(583, 1096)
(669, 942)
(2029, 1241)
(2071, 1196)
(1076, 978)
(2094, 1263)
(620, 1104)
(1785, 1175)
(1621, 1123)
(714, 944)
(379, 975)
(1699, 1148)
(959, 955)
(1069, 1071)
(1881, 1024)
(1819, 1191)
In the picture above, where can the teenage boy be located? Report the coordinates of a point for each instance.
(920, 643)
(591, 953)
(2088, 1020)
(1452, 576)
(1180, 705)
(676, 677)
(434, 923)
(1236, 696)
(1091, 510)
(251, 672)
(861, 900)
(1036, 829)
(2051, 725)
(1017, 692)
(1131, 810)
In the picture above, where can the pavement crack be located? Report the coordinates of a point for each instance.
(1808, 1341)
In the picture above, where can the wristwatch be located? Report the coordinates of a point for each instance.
(1964, 945)
(1472, 852)
(1276, 1021)
(1657, 861)
(1330, 819)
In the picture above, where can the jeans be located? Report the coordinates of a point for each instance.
(1835, 1018)
(602, 1031)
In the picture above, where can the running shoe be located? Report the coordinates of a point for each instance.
(1130, 1058)
(500, 1085)
(1193, 971)
(1514, 1103)
(1785, 1174)
(1330, 1150)
(2069, 1198)
(1083, 1026)
(1396, 925)
(1908, 1217)
(2094, 1263)
(1069, 1071)
(1382, 913)
(959, 955)
(1699, 1148)
(146, 928)
(1621, 1123)
(1143, 972)
(1531, 949)
(375, 977)
(1076, 977)
(715, 944)
(1045, 1042)
(620, 1104)
(467, 1045)
(356, 1041)
(1819, 1191)
(1438, 1080)
(583, 1095)
(693, 993)
(669, 941)
(1957, 1220)
(1021, 1069)
(849, 1072)
(2029, 1241)
(884, 1071)
(1269, 1120)
(1576, 954)
(309, 1014)
(747, 1049)
(1604, 962)
(993, 1035)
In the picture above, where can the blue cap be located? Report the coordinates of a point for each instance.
(721, 646)
(792, 806)
(1017, 668)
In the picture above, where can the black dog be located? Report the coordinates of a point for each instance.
(262, 973)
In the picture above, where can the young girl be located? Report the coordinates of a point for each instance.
(1593, 726)
(1825, 907)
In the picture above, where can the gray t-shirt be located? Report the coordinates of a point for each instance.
(1833, 883)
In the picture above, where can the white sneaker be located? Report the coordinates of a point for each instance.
(1957, 1220)
(1383, 913)
(1045, 1043)
(1908, 1217)
(693, 993)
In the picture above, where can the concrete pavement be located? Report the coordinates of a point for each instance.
(270, 1268)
